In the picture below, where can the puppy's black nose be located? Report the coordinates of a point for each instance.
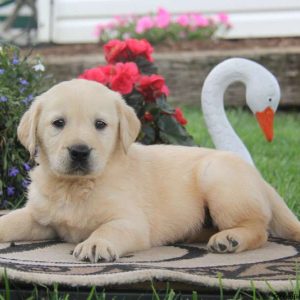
(79, 152)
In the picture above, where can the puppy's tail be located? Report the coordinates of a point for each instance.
(284, 223)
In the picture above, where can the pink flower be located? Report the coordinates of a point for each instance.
(199, 20)
(163, 18)
(121, 21)
(143, 24)
(98, 30)
(110, 25)
(183, 20)
(223, 18)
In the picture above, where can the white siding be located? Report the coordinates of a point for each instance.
(45, 21)
(74, 21)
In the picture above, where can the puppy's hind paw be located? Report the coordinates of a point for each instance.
(223, 243)
(95, 250)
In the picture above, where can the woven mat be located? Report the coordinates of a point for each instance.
(47, 262)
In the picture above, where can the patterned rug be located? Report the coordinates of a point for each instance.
(46, 262)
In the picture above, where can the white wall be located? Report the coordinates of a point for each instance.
(74, 21)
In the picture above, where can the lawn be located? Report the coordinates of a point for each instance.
(279, 161)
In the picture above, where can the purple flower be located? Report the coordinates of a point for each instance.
(15, 60)
(25, 183)
(23, 81)
(3, 99)
(28, 99)
(13, 172)
(22, 89)
(26, 167)
(10, 191)
(2, 71)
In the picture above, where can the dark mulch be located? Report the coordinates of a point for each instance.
(196, 45)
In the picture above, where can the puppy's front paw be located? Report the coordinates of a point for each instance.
(95, 250)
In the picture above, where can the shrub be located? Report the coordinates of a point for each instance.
(162, 26)
(131, 71)
(20, 82)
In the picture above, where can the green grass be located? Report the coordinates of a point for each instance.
(279, 161)
(167, 293)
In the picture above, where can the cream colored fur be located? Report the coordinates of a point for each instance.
(134, 197)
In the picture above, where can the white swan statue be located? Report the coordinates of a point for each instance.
(262, 97)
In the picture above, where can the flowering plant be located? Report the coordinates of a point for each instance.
(20, 82)
(131, 72)
(162, 26)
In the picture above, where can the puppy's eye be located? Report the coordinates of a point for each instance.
(99, 124)
(59, 123)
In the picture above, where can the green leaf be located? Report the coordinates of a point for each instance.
(136, 101)
(164, 105)
(11, 111)
(171, 132)
(148, 135)
(145, 66)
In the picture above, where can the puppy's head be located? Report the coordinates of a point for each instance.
(76, 126)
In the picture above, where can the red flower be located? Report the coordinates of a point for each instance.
(148, 116)
(165, 90)
(121, 51)
(109, 71)
(139, 48)
(179, 116)
(152, 87)
(121, 77)
(115, 51)
(126, 76)
(95, 74)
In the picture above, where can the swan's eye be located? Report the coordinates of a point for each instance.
(270, 99)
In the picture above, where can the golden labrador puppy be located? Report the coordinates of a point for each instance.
(94, 186)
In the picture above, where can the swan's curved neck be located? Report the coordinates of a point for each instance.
(215, 85)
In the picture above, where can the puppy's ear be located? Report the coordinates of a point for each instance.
(27, 129)
(129, 124)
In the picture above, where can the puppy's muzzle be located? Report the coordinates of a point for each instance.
(79, 153)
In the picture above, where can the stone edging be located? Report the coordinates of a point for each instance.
(186, 71)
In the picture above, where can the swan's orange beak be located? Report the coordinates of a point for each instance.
(266, 121)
